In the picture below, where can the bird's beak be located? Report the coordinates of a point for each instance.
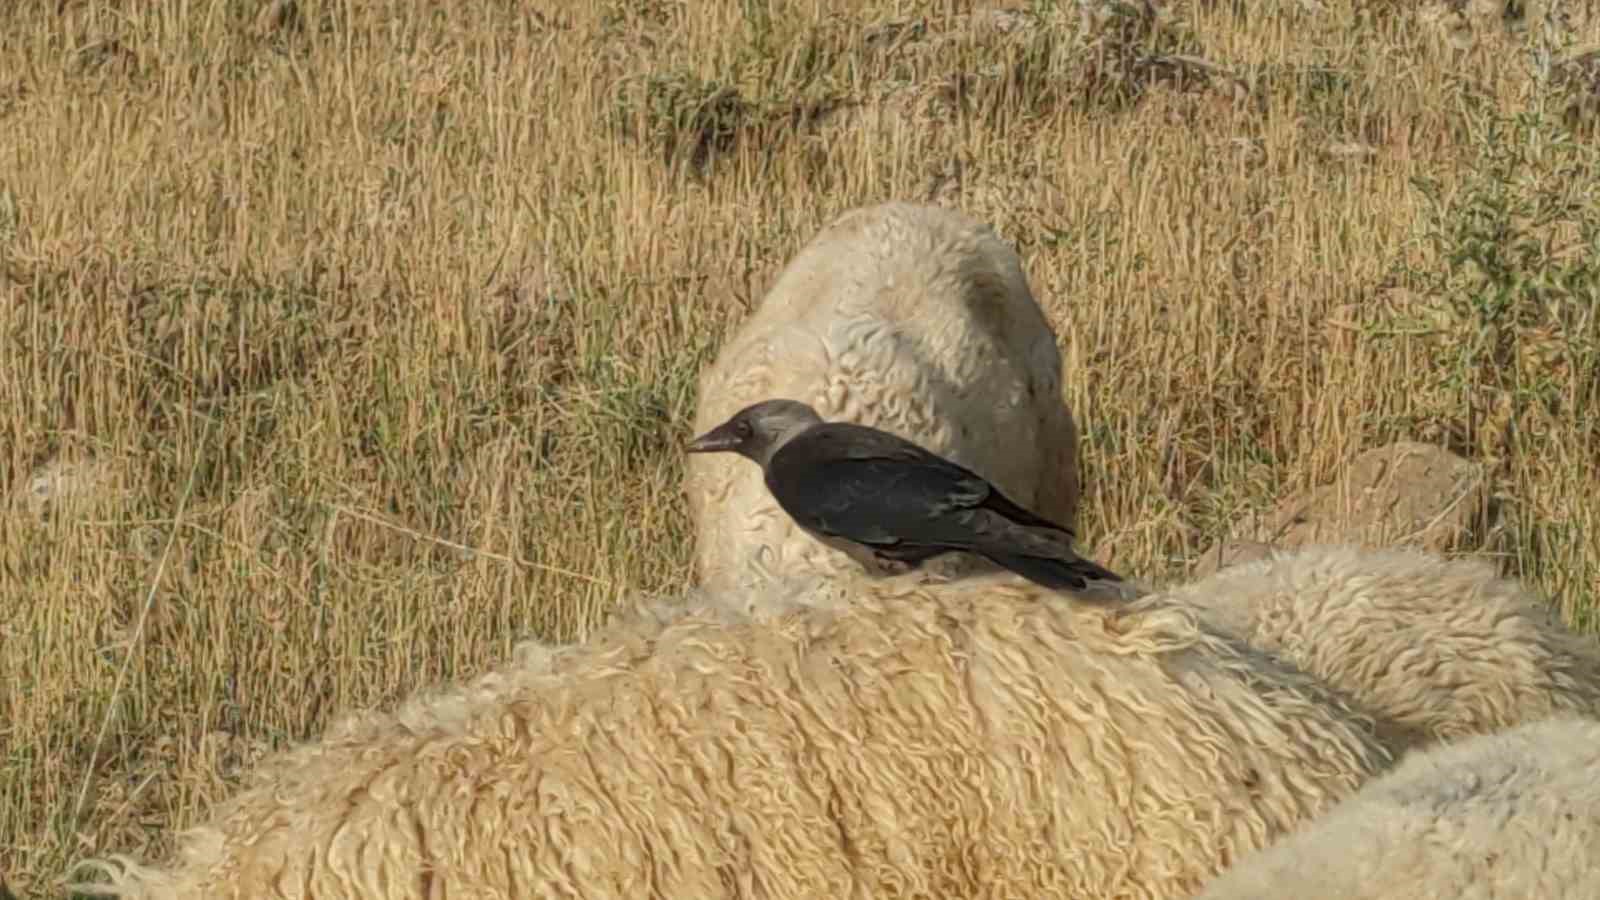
(715, 441)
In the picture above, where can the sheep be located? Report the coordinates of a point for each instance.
(1434, 649)
(910, 318)
(1513, 814)
(885, 737)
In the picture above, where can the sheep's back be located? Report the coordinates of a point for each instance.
(1438, 649)
(1512, 814)
(966, 740)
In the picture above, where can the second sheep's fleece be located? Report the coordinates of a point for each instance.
(1494, 817)
(848, 738)
(914, 319)
(1435, 649)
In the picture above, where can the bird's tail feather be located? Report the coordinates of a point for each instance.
(1075, 575)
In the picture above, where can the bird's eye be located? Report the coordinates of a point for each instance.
(743, 429)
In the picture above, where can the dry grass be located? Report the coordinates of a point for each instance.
(368, 330)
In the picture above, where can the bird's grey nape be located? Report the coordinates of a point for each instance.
(759, 430)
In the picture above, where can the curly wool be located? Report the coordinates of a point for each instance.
(1435, 649)
(976, 738)
(910, 318)
(1514, 814)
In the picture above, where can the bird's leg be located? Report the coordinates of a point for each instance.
(871, 560)
(902, 559)
(892, 566)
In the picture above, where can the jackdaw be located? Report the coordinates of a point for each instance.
(890, 504)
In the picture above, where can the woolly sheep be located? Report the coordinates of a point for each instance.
(913, 319)
(1508, 815)
(887, 738)
(1435, 649)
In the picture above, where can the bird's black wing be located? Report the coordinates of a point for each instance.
(878, 489)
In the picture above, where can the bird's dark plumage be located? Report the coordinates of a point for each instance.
(882, 498)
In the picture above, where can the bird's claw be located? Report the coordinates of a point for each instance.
(892, 566)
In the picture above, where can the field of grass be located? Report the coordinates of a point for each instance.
(360, 336)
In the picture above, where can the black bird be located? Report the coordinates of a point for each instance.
(890, 504)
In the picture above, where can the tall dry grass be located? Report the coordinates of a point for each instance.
(365, 333)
